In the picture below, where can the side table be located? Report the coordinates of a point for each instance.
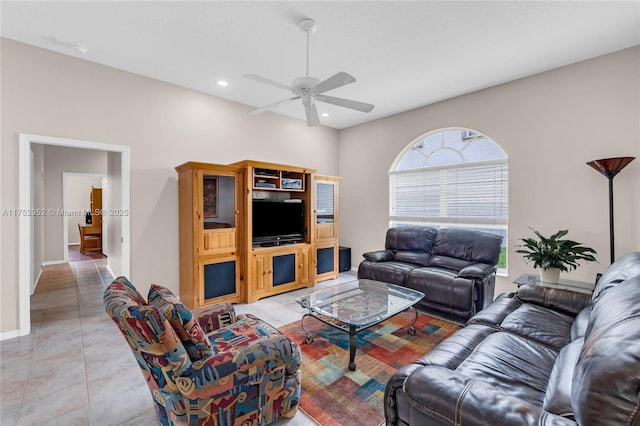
(577, 286)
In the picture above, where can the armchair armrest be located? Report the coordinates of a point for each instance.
(477, 270)
(439, 393)
(216, 316)
(566, 301)
(239, 366)
(379, 256)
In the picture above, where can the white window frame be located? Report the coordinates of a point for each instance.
(434, 212)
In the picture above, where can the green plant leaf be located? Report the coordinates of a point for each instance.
(554, 252)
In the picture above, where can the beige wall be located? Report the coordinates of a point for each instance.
(58, 160)
(45, 93)
(78, 192)
(550, 125)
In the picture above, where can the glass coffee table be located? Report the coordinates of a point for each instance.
(357, 305)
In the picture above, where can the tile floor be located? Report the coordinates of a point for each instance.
(75, 368)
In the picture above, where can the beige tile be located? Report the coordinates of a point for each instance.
(55, 345)
(8, 412)
(50, 406)
(130, 404)
(79, 417)
(52, 380)
(76, 351)
(147, 419)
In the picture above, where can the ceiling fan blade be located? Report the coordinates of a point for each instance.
(312, 114)
(271, 106)
(333, 82)
(267, 81)
(347, 103)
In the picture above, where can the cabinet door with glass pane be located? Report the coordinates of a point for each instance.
(209, 208)
(326, 227)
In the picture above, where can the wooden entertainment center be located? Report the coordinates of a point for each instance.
(220, 258)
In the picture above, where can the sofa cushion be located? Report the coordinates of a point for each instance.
(477, 270)
(607, 375)
(448, 262)
(580, 323)
(416, 258)
(442, 287)
(557, 399)
(513, 364)
(182, 320)
(624, 268)
(388, 272)
(566, 301)
(475, 246)
(546, 326)
(413, 238)
(128, 290)
(379, 256)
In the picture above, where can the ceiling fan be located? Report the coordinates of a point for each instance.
(310, 89)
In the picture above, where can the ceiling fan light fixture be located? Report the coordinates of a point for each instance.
(310, 89)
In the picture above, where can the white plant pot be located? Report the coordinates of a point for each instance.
(551, 275)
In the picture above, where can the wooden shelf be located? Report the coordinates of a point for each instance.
(218, 262)
(278, 180)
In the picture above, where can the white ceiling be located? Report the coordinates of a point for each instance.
(403, 54)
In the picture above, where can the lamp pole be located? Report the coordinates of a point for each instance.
(612, 244)
(610, 167)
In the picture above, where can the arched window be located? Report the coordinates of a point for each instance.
(454, 178)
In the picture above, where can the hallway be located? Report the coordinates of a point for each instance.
(63, 372)
(75, 368)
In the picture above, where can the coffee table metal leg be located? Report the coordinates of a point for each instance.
(309, 338)
(352, 348)
(412, 330)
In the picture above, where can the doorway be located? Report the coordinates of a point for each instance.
(118, 174)
(76, 189)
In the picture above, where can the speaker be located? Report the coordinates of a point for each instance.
(344, 259)
(325, 260)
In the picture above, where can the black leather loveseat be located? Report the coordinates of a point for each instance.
(454, 268)
(540, 356)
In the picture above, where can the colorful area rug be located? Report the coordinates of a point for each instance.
(333, 395)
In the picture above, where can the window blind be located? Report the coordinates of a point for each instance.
(324, 200)
(455, 194)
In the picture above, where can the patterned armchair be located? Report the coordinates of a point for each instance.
(210, 368)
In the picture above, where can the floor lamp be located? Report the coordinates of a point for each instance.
(610, 167)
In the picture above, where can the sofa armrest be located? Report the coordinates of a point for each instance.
(447, 397)
(379, 256)
(565, 301)
(477, 270)
(214, 317)
(240, 366)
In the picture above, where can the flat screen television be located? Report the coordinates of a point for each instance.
(278, 221)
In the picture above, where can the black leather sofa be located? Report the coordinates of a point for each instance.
(454, 268)
(537, 357)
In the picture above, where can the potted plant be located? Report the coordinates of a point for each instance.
(554, 254)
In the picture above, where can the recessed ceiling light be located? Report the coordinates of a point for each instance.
(325, 114)
(222, 83)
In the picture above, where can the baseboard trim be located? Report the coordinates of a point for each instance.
(111, 272)
(9, 335)
(53, 262)
(35, 284)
